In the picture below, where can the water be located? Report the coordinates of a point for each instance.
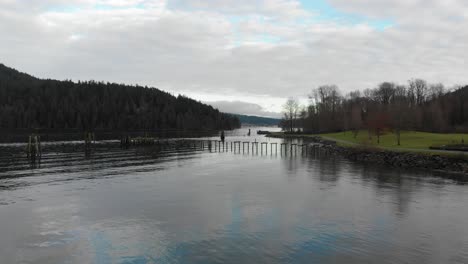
(195, 206)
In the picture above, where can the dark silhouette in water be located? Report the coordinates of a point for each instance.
(222, 136)
(248, 133)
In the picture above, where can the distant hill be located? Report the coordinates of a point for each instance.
(258, 120)
(28, 102)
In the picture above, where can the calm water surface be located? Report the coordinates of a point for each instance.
(150, 205)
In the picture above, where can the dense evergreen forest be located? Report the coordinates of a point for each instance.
(27, 102)
(388, 107)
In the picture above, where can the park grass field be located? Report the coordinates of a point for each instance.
(409, 139)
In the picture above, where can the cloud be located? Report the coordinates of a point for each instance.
(406, 10)
(244, 108)
(282, 9)
(251, 51)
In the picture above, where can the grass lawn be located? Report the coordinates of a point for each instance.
(409, 139)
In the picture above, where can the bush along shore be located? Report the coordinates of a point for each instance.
(450, 163)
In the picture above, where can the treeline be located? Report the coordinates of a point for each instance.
(415, 106)
(27, 102)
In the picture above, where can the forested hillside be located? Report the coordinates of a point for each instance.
(28, 102)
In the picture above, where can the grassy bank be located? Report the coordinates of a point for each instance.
(409, 139)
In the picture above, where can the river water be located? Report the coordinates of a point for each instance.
(185, 205)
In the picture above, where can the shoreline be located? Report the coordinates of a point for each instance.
(453, 163)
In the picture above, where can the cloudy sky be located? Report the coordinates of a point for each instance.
(245, 56)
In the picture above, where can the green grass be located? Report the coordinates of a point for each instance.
(409, 139)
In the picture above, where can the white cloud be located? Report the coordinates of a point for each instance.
(272, 50)
(280, 9)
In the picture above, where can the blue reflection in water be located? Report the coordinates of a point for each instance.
(102, 247)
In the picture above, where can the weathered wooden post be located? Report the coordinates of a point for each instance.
(243, 146)
(271, 148)
(285, 148)
(88, 139)
(266, 147)
(38, 145)
(33, 148)
(125, 141)
(295, 148)
(235, 146)
(28, 148)
(302, 149)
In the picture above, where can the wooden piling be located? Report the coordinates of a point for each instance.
(243, 146)
(253, 145)
(285, 148)
(33, 148)
(266, 147)
(271, 148)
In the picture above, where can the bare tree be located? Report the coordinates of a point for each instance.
(302, 117)
(399, 112)
(356, 119)
(290, 110)
(419, 88)
(327, 100)
(436, 91)
(384, 93)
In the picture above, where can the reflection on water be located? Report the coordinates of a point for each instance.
(186, 205)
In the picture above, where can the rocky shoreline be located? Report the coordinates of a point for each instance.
(457, 164)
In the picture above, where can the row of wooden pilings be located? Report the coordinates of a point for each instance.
(34, 147)
(249, 147)
(255, 147)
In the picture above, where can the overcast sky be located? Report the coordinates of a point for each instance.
(247, 55)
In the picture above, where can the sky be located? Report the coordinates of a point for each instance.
(243, 56)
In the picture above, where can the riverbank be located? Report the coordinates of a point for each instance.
(416, 140)
(444, 162)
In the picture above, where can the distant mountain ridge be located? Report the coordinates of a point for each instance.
(27, 102)
(258, 120)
